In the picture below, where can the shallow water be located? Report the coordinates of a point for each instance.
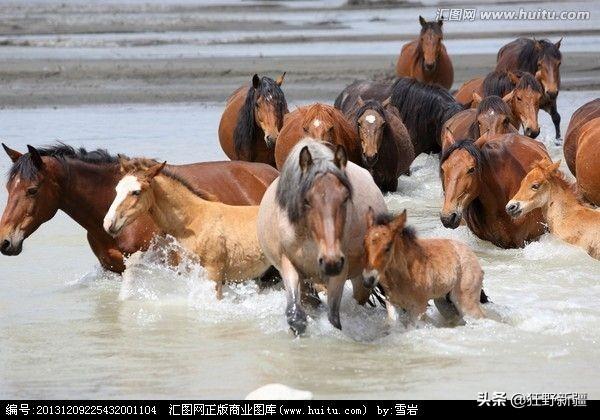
(68, 329)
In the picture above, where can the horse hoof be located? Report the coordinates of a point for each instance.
(335, 321)
(558, 141)
(297, 322)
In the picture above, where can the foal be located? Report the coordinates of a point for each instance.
(413, 270)
(545, 187)
(222, 237)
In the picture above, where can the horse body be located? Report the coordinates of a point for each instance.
(479, 181)
(580, 117)
(377, 90)
(545, 188)
(221, 236)
(464, 94)
(82, 184)
(425, 58)
(320, 122)
(586, 161)
(326, 251)
(252, 119)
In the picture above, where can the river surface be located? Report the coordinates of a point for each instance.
(70, 330)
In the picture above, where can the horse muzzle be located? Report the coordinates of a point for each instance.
(11, 247)
(552, 94)
(529, 132)
(270, 140)
(429, 66)
(114, 227)
(370, 278)
(514, 209)
(331, 266)
(370, 161)
(451, 220)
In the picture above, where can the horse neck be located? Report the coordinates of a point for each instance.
(88, 192)
(398, 271)
(561, 202)
(175, 207)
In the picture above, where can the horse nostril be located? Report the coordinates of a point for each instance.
(320, 260)
(5, 245)
(512, 208)
(342, 261)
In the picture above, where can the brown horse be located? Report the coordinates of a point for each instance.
(580, 117)
(387, 150)
(425, 58)
(522, 92)
(545, 188)
(587, 161)
(491, 118)
(320, 122)
(82, 184)
(413, 270)
(478, 182)
(252, 119)
(542, 59)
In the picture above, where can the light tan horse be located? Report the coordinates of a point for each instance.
(222, 237)
(545, 187)
(311, 222)
(413, 270)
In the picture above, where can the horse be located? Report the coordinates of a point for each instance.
(252, 119)
(222, 237)
(321, 122)
(378, 90)
(542, 59)
(586, 161)
(310, 223)
(522, 91)
(425, 58)
(423, 109)
(82, 184)
(387, 150)
(580, 117)
(491, 118)
(413, 270)
(479, 181)
(545, 188)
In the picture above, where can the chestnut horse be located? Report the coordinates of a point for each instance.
(522, 91)
(587, 161)
(545, 188)
(479, 181)
(82, 184)
(221, 237)
(387, 150)
(252, 119)
(491, 118)
(311, 222)
(425, 58)
(413, 270)
(320, 122)
(542, 59)
(580, 117)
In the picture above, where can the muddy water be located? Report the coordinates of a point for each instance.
(68, 329)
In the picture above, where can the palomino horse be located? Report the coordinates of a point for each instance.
(252, 119)
(545, 188)
(320, 122)
(522, 92)
(412, 270)
(311, 222)
(222, 237)
(541, 58)
(582, 150)
(82, 184)
(387, 150)
(425, 58)
(423, 109)
(491, 118)
(479, 181)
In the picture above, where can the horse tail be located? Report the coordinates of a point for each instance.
(244, 139)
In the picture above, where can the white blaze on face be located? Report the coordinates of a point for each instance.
(317, 123)
(370, 119)
(125, 186)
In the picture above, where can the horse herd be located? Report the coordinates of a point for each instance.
(302, 197)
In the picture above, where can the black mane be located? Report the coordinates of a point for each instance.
(530, 55)
(499, 83)
(245, 132)
(464, 144)
(25, 168)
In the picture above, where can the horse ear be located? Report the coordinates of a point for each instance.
(449, 135)
(422, 21)
(123, 163)
(386, 102)
(537, 45)
(36, 158)
(508, 97)
(476, 98)
(154, 170)
(558, 43)
(12, 154)
(513, 77)
(306, 160)
(255, 81)
(399, 221)
(441, 21)
(340, 158)
(554, 167)
(359, 101)
(280, 79)
(370, 217)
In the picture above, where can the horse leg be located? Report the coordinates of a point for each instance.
(110, 257)
(335, 287)
(446, 307)
(215, 273)
(392, 315)
(553, 111)
(359, 291)
(296, 317)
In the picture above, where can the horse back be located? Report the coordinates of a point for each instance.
(579, 118)
(586, 160)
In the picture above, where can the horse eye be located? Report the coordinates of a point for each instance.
(535, 187)
(519, 98)
(388, 248)
(136, 192)
(32, 191)
(471, 170)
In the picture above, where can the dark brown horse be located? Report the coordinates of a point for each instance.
(491, 118)
(378, 90)
(542, 59)
(320, 122)
(479, 181)
(82, 184)
(423, 109)
(252, 119)
(425, 58)
(580, 117)
(387, 150)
